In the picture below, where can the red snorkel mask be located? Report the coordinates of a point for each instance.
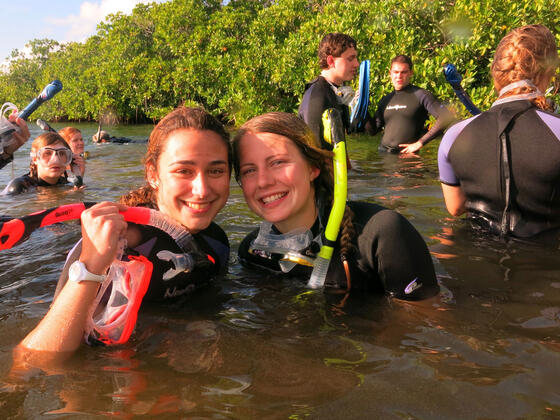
(112, 322)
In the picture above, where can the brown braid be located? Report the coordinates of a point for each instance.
(528, 52)
(178, 119)
(293, 128)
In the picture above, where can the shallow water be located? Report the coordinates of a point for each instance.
(262, 347)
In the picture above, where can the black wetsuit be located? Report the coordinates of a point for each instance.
(25, 182)
(512, 141)
(120, 140)
(390, 256)
(403, 113)
(5, 159)
(211, 240)
(318, 97)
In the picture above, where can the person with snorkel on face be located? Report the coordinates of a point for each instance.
(339, 63)
(402, 114)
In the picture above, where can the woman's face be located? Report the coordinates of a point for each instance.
(277, 181)
(192, 177)
(77, 143)
(51, 161)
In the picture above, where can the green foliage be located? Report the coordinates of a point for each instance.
(252, 56)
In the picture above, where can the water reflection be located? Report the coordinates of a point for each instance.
(260, 346)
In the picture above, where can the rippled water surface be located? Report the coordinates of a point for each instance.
(258, 347)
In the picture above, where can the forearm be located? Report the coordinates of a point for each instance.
(62, 329)
(435, 130)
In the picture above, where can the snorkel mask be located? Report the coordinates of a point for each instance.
(295, 247)
(112, 322)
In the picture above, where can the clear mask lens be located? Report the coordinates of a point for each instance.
(115, 310)
(45, 154)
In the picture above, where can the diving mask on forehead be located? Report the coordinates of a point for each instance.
(295, 247)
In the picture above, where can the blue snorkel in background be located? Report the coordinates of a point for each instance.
(7, 128)
(454, 79)
(359, 109)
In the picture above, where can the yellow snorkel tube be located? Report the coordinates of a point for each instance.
(333, 134)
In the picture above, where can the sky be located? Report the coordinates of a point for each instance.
(61, 20)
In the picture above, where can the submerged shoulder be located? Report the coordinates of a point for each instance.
(19, 185)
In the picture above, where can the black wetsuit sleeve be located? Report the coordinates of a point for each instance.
(313, 104)
(18, 185)
(390, 246)
(444, 117)
(5, 159)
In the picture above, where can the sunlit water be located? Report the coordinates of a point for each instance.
(257, 347)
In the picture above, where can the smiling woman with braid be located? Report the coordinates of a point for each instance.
(287, 179)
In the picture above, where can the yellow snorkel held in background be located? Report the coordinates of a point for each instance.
(333, 134)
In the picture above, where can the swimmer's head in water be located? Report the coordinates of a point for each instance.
(103, 137)
(526, 53)
(50, 170)
(187, 168)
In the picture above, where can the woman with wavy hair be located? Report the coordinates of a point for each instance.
(502, 167)
(187, 179)
(287, 179)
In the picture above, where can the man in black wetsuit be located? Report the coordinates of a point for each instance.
(338, 60)
(404, 112)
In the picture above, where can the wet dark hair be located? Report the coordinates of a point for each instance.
(333, 44)
(178, 119)
(295, 129)
(404, 59)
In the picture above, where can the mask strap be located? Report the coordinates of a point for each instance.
(520, 83)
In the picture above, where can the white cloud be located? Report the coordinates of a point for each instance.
(91, 13)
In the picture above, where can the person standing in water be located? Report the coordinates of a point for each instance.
(502, 167)
(74, 138)
(402, 114)
(338, 60)
(50, 155)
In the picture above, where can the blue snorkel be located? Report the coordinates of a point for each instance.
(358, 110)
(48, 92)
(334, 135)
(454, 79)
